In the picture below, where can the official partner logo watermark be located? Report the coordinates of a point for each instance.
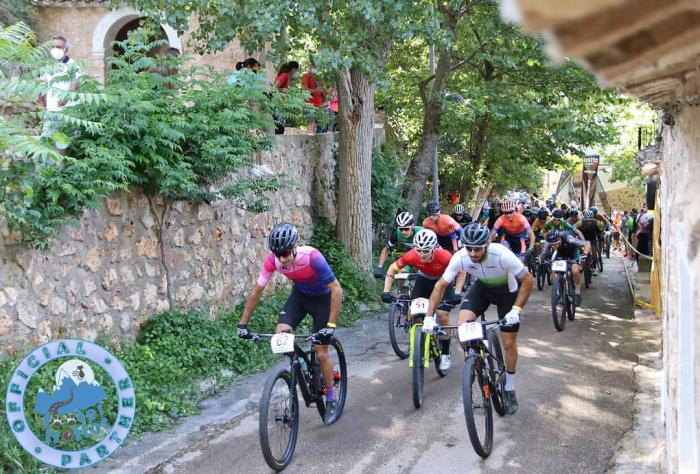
(70, 403)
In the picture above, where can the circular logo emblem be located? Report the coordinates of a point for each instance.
(70, 403)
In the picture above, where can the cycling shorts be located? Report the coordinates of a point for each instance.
(445, 241)
(424, 287)
(480, 297)
(298, 305)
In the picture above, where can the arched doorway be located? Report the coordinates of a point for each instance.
(120, 22)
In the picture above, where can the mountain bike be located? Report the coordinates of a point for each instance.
(279, 404)
(424, 347)
(563, 291)
(483, 380)
(399, 321)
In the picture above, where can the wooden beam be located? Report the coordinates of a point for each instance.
(684, 44)
(538, 15)
(594, 32)
(658, 71)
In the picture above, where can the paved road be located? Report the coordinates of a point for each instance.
(575, 390)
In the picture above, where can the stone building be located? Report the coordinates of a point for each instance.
(91, 27)
(651, 49)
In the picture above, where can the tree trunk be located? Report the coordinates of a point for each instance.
(422, 161)
(356, 127)
(480, 193)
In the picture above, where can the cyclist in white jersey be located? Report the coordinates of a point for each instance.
(502, 280)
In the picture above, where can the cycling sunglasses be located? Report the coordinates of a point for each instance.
(508, 212)
(405, 229)
(283, 254)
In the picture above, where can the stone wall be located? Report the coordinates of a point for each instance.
(111, 271)
(681, 290)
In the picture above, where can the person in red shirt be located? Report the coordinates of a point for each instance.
(282, 82)
(446, 228)
(310, 82)
(515, 227)
(431, 261)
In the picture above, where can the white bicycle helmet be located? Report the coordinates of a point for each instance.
(458, 209)
(425, 239)
(507, 205)
(405, 219)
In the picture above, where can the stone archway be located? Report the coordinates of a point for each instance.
(108, 27)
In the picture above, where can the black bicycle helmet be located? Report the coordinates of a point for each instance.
(543, 213)
(558, 214)
(475, 234)
(553, 236)
(433, 208)
(283, 238)
(594, 209)
(588, 214)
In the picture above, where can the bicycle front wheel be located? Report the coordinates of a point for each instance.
(497, 372)
(477, 406)
(279, 420)
(559, 303)
(399, 330)
(418, 359)
(340, 381)
(571, 302)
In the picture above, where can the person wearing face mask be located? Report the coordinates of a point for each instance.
(60, 77)
(310, 82)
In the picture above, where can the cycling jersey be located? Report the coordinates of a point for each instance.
(500, 268)
(446, 228)
(569, 248)
(590, 228)
(309, 272)
(563, 225)
(463, 219)
(431, 270)
(515, 230)
(538, 225)
(400, 243)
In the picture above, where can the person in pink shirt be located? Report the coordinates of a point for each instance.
(315, 291)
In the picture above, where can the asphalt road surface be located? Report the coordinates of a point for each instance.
(575, 389)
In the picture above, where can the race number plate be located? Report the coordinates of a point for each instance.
(470, 332)
(429, 324)
(282, 343)
(401, 276)
(559, 266)
(419, 306)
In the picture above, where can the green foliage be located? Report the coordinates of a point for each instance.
(518, 115)
(13, 11)
(387, 183)
(357, 287)
(175, 131)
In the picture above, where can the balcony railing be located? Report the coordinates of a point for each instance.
(646, 136)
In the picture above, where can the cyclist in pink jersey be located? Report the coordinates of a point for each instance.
(315, 291)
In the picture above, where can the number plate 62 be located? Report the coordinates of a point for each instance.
(282, 343)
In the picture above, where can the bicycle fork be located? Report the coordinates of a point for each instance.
(426, 354)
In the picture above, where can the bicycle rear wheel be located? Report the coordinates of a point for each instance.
(600, 261)
(418, 369)
(540, 276)
(399, 330)
(497, 371)
(477, 406)
(559, 303)
(587, 274)
(340, 381)
(279, 420)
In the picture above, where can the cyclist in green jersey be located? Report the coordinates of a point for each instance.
(400, 241)
(557, 222)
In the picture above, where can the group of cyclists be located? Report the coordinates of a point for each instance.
(445, 251)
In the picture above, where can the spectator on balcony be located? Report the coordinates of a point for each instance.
(282, 82)
(310, 82)
(61, 77)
